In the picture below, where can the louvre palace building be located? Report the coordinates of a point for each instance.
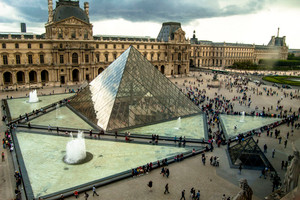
(68, 53)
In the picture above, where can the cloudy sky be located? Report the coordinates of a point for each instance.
(242, 21)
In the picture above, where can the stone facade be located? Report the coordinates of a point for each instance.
(68, 53)
(211, 54)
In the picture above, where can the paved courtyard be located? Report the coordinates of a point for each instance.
(212, 181)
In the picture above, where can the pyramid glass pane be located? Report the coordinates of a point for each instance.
(84, 104)
(21, 106)
(61, 117)
(104, 89)
(145, 96)
(109, 158)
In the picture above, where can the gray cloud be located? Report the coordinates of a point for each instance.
(183, 11)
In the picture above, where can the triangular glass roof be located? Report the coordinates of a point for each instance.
(132, 92)
(248, 153)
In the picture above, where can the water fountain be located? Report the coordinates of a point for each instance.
(178, 123)
(33, 97)
(76, 151)
(57, 111)
(242, 119)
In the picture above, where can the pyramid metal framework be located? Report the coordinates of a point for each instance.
(249, 154)
(132, 92)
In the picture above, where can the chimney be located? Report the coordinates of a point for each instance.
(278, 32)
(50, 11)
(86, 8)
(23, 28)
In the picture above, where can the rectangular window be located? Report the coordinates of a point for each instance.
(29, 59)
(41, 46)
(73, 35)
(42, 59)
(97, 46)
(105, 46)
(29, 46)
(115, 46)
(16, 45)
(151, 46)
(145, 46)
(61, 59)
(18, 60)
(122, 46)
(98, 57)
(3, 46)
(106, 57)
(158, 56)
(86, 58)
(115, 56)
(5, 61)
(138, 46)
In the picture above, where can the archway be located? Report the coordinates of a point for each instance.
(100, 70)
(162, 69)
(75, 75)
(179, 69)
(45, 76)
(7, 78)
(20, 77)
(32, 77)
(75, 58)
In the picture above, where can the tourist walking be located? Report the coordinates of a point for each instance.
(94, 191)
(166, 189)
(167, 172)
(273, 153)
(150, 184)
(86, 195)
(285, 143)
(182, 195)
(198, 195)
(76, 194)
(3, 157)
(265, 148)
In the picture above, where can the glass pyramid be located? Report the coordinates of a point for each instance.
(132, 92)
(249, 154)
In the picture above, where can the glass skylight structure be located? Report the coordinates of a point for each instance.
(132, 92)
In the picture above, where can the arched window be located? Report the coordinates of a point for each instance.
(7, 78)
(179, 56)
(20, 77)
(75, 58)
(45, 76)
(75, 75)
(32, 77)
(100, 70)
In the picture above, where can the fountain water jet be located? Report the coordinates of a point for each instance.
(33, 97)
(76, 151)
(242, 119)
(178, 123)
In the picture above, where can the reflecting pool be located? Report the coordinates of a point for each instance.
(21, 106)
(47, 172)
(250, 122)
(61, 117)
(190, 127)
